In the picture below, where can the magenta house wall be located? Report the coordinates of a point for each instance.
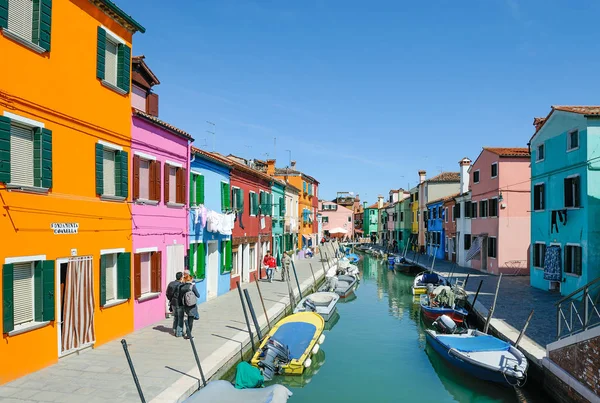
(157, 225)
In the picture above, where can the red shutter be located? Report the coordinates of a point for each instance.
(152, 104)
(156, 275)
(151, 180)
(183, 185)
(156, 180)
(178, 183)
(137, 275)
(136, 177)
(166, 183)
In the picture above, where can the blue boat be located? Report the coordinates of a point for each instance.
(353, 258)
(481, 355)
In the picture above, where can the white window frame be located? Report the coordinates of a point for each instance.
(23, 41)
(564, 201)
(534, 255)
(194, 184)
(571, 274)
(569, 147)
(252, 204)
(116, 300)
(494, 176)
(543, 202)
(231, 191)
(478, 176)
(234, 261)
(537, 154)
(149, 273)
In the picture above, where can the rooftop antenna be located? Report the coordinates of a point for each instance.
(213, 134)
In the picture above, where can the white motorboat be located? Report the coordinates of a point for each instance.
(323, 303)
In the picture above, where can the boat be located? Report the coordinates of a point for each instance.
(343, 285)
(345, 267)
(423, 279)
(431, 309)
(481, 355)
(323, 303)
(288, 346)
(225, 392)
(352, 257)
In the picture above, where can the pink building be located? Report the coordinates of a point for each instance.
(336, 216)
(160, 155)
(500, 205)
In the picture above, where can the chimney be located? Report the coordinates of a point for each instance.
(538, 122)
(293, 164)
(379, 201)
(270, 167)
(364, 204)
(422, 176)
(465, 163)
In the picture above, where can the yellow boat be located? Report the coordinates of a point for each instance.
(288, 347)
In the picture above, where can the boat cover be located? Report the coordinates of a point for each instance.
(247, 376)
(432, 278)
(224, 392)
(474, 344)
(296, 336)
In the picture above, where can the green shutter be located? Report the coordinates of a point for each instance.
(99, 169)
(3, 13)
(48, 285)
(200, 189)
(122, 178)
(225, 196)
(102, 280)
(240, 199)
(256, 203)
(281, 206)
(42, 22)
(228, 256)
(38, 293)
(192, 187)
(200, 261)
(190, 260)
(223, 252)
(101, 55)
(124, 275)
(8, 299)
(124, 67)
(46, 158)
(4, 144)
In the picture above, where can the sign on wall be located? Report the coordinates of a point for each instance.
(65, 227)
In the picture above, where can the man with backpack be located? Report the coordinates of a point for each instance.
(172, 295)
(189, 299)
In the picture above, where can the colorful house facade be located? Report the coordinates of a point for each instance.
(500, 225)
(370, 221)
(436, 242)
(451, 213)
(290, 234)
(336, 216)
(463, 216)
(415, 217)
(403, 223)
(67, 219)
(278, 219)
(159, 178)
(209, 253)
(565, 193)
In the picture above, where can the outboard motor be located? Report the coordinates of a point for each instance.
(274, 356)
(445, 325)
(309, 305)
(430, 288)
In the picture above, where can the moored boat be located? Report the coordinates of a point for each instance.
(223, 391)
(432, 310)
(423, 279)
(343, 285)
(481, 355)
(323, 303)
(290, 344)
(352, 258)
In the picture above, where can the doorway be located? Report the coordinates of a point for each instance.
(245, 251)
(212, 272)
(175, 263)
(75, 304)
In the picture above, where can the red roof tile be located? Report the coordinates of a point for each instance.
(581, 109)
(164, 125)
(509, 151)
(446, 177)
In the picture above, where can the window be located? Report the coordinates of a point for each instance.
(446, 245)
(113, 61)
(146, 179)
(112, 171)
(115, 278)
(457, 208)
(493, 205)
(236, 259)
(573, 260)
(252, 257)
(253, 197)
(325, 220)
(483, 208)
(440, 212)
(402, 216)
(467, 240)
(28, 143)
(175, 184)
(28, 293)
(266, 203)
(237, 199)
(473, 209)
(226, 256)
(434, 212)
(446, 214)
(539, 254)
(539, 197)
(573, 140)
(28, 22)
(494, 169)
(476, 176)
(540, 153)
(147, 274)
(196, 189)
(572, 197)
(492, 247)
(197, 260)
(349, 219)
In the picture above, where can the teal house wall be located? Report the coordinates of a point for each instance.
(403, 223)
(370, 220)
(582, 223)
(278, 221)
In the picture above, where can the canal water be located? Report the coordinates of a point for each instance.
(376, 352)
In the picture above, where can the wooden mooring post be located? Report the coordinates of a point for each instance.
(491, 312)
(522, 333)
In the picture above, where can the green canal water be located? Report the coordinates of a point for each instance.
(376, 352)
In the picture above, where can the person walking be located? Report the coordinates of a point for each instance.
(272, 266)
(189, 301)
(266, 265)
(286, 263)
(172, 294)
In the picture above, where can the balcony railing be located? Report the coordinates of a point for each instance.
(578, 311)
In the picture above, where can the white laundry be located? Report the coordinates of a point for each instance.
(213, 221)
(196, 215)
(262, 223)
(226, 224)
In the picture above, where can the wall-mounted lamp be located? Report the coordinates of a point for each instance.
(500, 198)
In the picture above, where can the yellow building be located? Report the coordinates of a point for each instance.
(414, 211)
(65, 135)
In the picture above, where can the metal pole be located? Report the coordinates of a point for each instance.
(246, 316)
(135, 378)
(476, 294)
(253, 314)
(314, 278)
(466, 280)
(297, 282)
(489, 318)
(197, 361)
(262, 301)
(524, 329)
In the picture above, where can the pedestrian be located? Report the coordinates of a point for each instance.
(265, 265)
(172, 294)
(189, 300)
(272, 265)
(287, 262)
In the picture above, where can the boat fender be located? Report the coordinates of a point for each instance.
(315, 349)
(307, 363)
(321, 339)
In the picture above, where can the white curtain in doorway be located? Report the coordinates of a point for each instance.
(78, 308)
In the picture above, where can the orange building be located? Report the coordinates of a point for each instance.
(65, 135)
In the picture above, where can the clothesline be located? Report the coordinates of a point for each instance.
(213, 221)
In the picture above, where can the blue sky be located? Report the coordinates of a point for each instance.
(366, 93)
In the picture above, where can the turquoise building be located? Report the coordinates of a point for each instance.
(278, 219)
(370, 220)
(403, 223)
(565, 189)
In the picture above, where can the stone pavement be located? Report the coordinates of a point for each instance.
(515, 300)
(164, 364)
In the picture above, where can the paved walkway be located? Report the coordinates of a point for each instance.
(164, 364)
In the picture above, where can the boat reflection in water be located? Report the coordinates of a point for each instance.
(300, 381)
(333, 320)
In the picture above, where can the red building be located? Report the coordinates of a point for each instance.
(450, 211)
(251, 196)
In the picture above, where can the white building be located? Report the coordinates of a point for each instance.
(463, 223)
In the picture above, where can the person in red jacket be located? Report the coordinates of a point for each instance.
(271, 264)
